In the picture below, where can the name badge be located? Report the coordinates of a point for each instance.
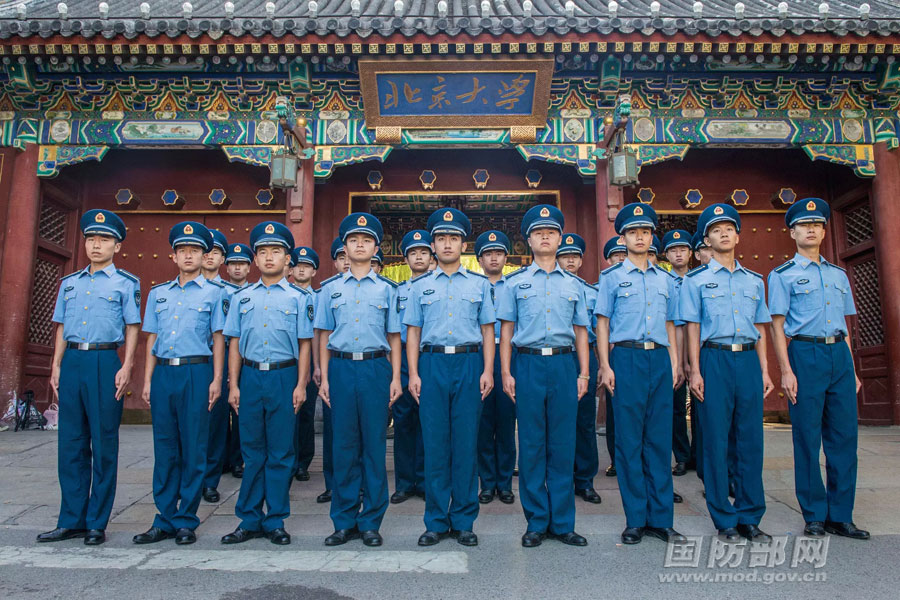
(524, 286)
(160, 300)
(402, 298)
(336, 295)
(428, 292)
(712, 285)
(802, 281)
(69, 288)
(625, 284)
(243, 300)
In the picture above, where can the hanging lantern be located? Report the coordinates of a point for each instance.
(622, 163)
(283, 167)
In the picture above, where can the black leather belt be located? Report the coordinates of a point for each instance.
(639, 345)
(270, 366)
(730, 347)
(544, 351)
(184, 360)
(467, 349)
(100, 346)
(831, 339)
(358, 355)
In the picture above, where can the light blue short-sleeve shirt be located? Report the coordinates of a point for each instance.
(637, 303)
(359, 313)
(450, 309)
(95, 307)
(185, 317)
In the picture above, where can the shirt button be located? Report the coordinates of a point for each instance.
(355, 339)
(449, 333)
(357, 320)
(735, 311)
(739, 329)
(357, 301)
(179, 304)
(829, 320)
(171, 347)
(451, 297)
(173, 333)
(265, 308)
(88, 293)
(826, 285)
(265, 324)
(266, 343)
(449, 314)
(85, 308)
(828, 303)
(648, 318)
(84, 322)
(176, 316)
(548, 329)
(548, 310)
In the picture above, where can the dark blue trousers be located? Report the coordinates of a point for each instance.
(217, 445)
(233, 456)
(327, 447)
(824, 417)
(643, 405)
(497, 436)
(267, 443)
(305, 430)
(450, 409)
(681, 445)
(409, 447)
(610, 428)
(546, 409)
(360, 397)
(179, 407)
(587, 459)
(88, 448)
(733, 398)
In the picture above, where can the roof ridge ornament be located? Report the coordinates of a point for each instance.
(783, 10)
(63, 10)
(313, 7)
(103, 7)
(654, 9)
(739, 9)
(187, 9)
(229, 10)
(527, 7)
(570, 8)
(823, 10)
(270, 9)
(698, 10)
(613, 7)
(442, 8)
(864, 9)
(21, 11)
(354, 8)
(398, 8)
(485, 9)
(145, 10)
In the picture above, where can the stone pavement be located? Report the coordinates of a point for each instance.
(499, 567)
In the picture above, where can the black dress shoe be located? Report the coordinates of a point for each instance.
(814, 529)
(754, 534)
(679, 470)
(399, 497)
(237, 472)
(420, 493)
(430, 538)
(324, 497)
(666, 534)
(846, 530)
(342, 536)
(632, 535)
(506, 496)
(611, 471)
(570, 539)
(729, 534)
(533, 539)
(94, 537)
(210, 494)
(371, 538)
(152, 535)
(185, 536)
(465, 538)
(59, 534)
(676, 498)
(239, 536)
(301, 474)
(589, 495)
(279, 536)
(690, 465)
(486, 496)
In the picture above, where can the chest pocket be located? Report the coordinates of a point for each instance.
(287, 318)
(198, 318)
(377, 311)
(750, 302)
(162, 317)
(714, 302)
(837, 295)
(628, 300)
(431, 307)
(527, 302)
(661, 297)
(566, 305)
(71, 303)
(806, 297)
(471, 303)
(110, 304)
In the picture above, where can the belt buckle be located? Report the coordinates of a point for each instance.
(830, 339)
(174, 362)
(449, 349)
(265, 366)
(649, 345)
(736, 347)
(546, 351)
(357, 356)
(84, 346)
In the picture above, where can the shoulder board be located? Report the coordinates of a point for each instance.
(612, 268)
(330, 279)
(70, 274)
(785, 266)
(699, 269)
(159, 284)
(476, 273)
(422, 276)
(838, 267)
(299, 289)
(389, 281)
(518, 271)
(669, 273)
(128, 275)
(215, 283)
(753, 272)
(233, 286)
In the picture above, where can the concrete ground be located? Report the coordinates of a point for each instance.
(498, 568)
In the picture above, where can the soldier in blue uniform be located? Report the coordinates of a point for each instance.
(702, 254)
(237, 263)
(724, 307)
(810, 300)
(219, 415)
(587, 461)
(409, 447)
(360, 329)
(677, 249)
(184, 318)
(305, 264)
(97, 309)
(497, 431)
(614, 251)
(450, 319)
(636, 308)
(378, 261)
(544, 316)
(270, 329)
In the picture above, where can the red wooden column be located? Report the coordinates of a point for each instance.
(300, 203)
(886, 215)
(20, 243)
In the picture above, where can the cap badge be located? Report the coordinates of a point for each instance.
(448, 216)
(188, 230)
(638, 211)
(676, 236)
(237, 249)
(270, 228)
(100, 218)
(811, 205)
(302, 251)
(545, 212)
(718, 210)
(417, 236)
(361, 221)
(492, 237)
(569, 240)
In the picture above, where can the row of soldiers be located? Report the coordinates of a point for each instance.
(460, 358)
